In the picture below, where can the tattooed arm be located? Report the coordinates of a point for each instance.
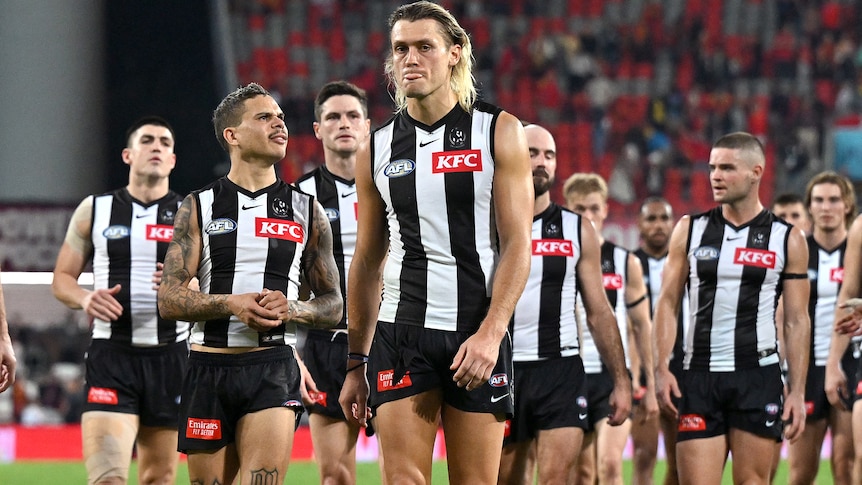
(178, 302)
(321, 274)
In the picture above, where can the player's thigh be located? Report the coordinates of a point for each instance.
(557, 452)
(518, 463)
(701, 460)
(473, 444)
(213, 466)
(107, 432)
(333, 439)
(264, 441)
(752, 456)
(611, 440)
(157, 448)
(804, 452)
(406, 429)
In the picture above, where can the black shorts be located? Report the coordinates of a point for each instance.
(599, 389)
(146, 381)
(325, 356)
(544, 397)
(219, 389)
(407, 360)
(750, 400)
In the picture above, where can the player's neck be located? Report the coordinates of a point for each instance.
(541, 203)
(654, 252)
(430, 109)
(741, 211)
(829, 239)
(252, 177)
(342, 167)
(148, 190)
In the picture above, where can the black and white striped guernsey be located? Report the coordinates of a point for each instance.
(338, 198)
(734, 278)
(825, 275)
(653, 269)
(614, 279)
(129, 237)
(544, 324)
(251, 241)
(435, 182)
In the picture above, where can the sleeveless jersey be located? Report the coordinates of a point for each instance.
(544, 324)
(251, 241)
(652, 268)
(614, 278)
(435, 182)
(734, 284)
(129, 237)
(825, 274)
(338, 198)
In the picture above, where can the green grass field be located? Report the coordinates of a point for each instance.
(52, 473)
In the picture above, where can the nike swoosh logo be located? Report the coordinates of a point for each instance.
(348, 194)
(734, 238)
(422, 144)
(498, 398)
(140, 216)
(582, 416)
(247, 207)
(769, 424)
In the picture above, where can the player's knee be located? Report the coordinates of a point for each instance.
(160, 475)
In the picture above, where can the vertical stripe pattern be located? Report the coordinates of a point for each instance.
(129, 237)
(435, 182)
(251, 241)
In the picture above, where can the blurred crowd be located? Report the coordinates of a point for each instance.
(49, 375)
(635, 90)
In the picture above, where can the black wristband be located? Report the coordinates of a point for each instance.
(361, 364)
(357, 356)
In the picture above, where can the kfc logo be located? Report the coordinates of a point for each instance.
(203, 429)
(553, 247)
(754, 257)
(460, 161)
(612, 281)
(159, 232)
(278, 229)
(836, 275)
(384, 381)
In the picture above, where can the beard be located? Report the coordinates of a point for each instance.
(542, 182)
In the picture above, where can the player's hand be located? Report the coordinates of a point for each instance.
(354, 397)
(666, 388)
(475, 360)
(621, 403)
(102, 304)
(275, 300)
(850, 324)
(251, 313)
(308, 388)
(157, 275)
(648, 408)
(835, 386)
(793, 415)
(7, 364)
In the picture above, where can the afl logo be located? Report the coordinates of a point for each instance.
(706, 253)
(116, 232)
(399, 168)
(498, 380)
(331, 214)
(220, 226)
